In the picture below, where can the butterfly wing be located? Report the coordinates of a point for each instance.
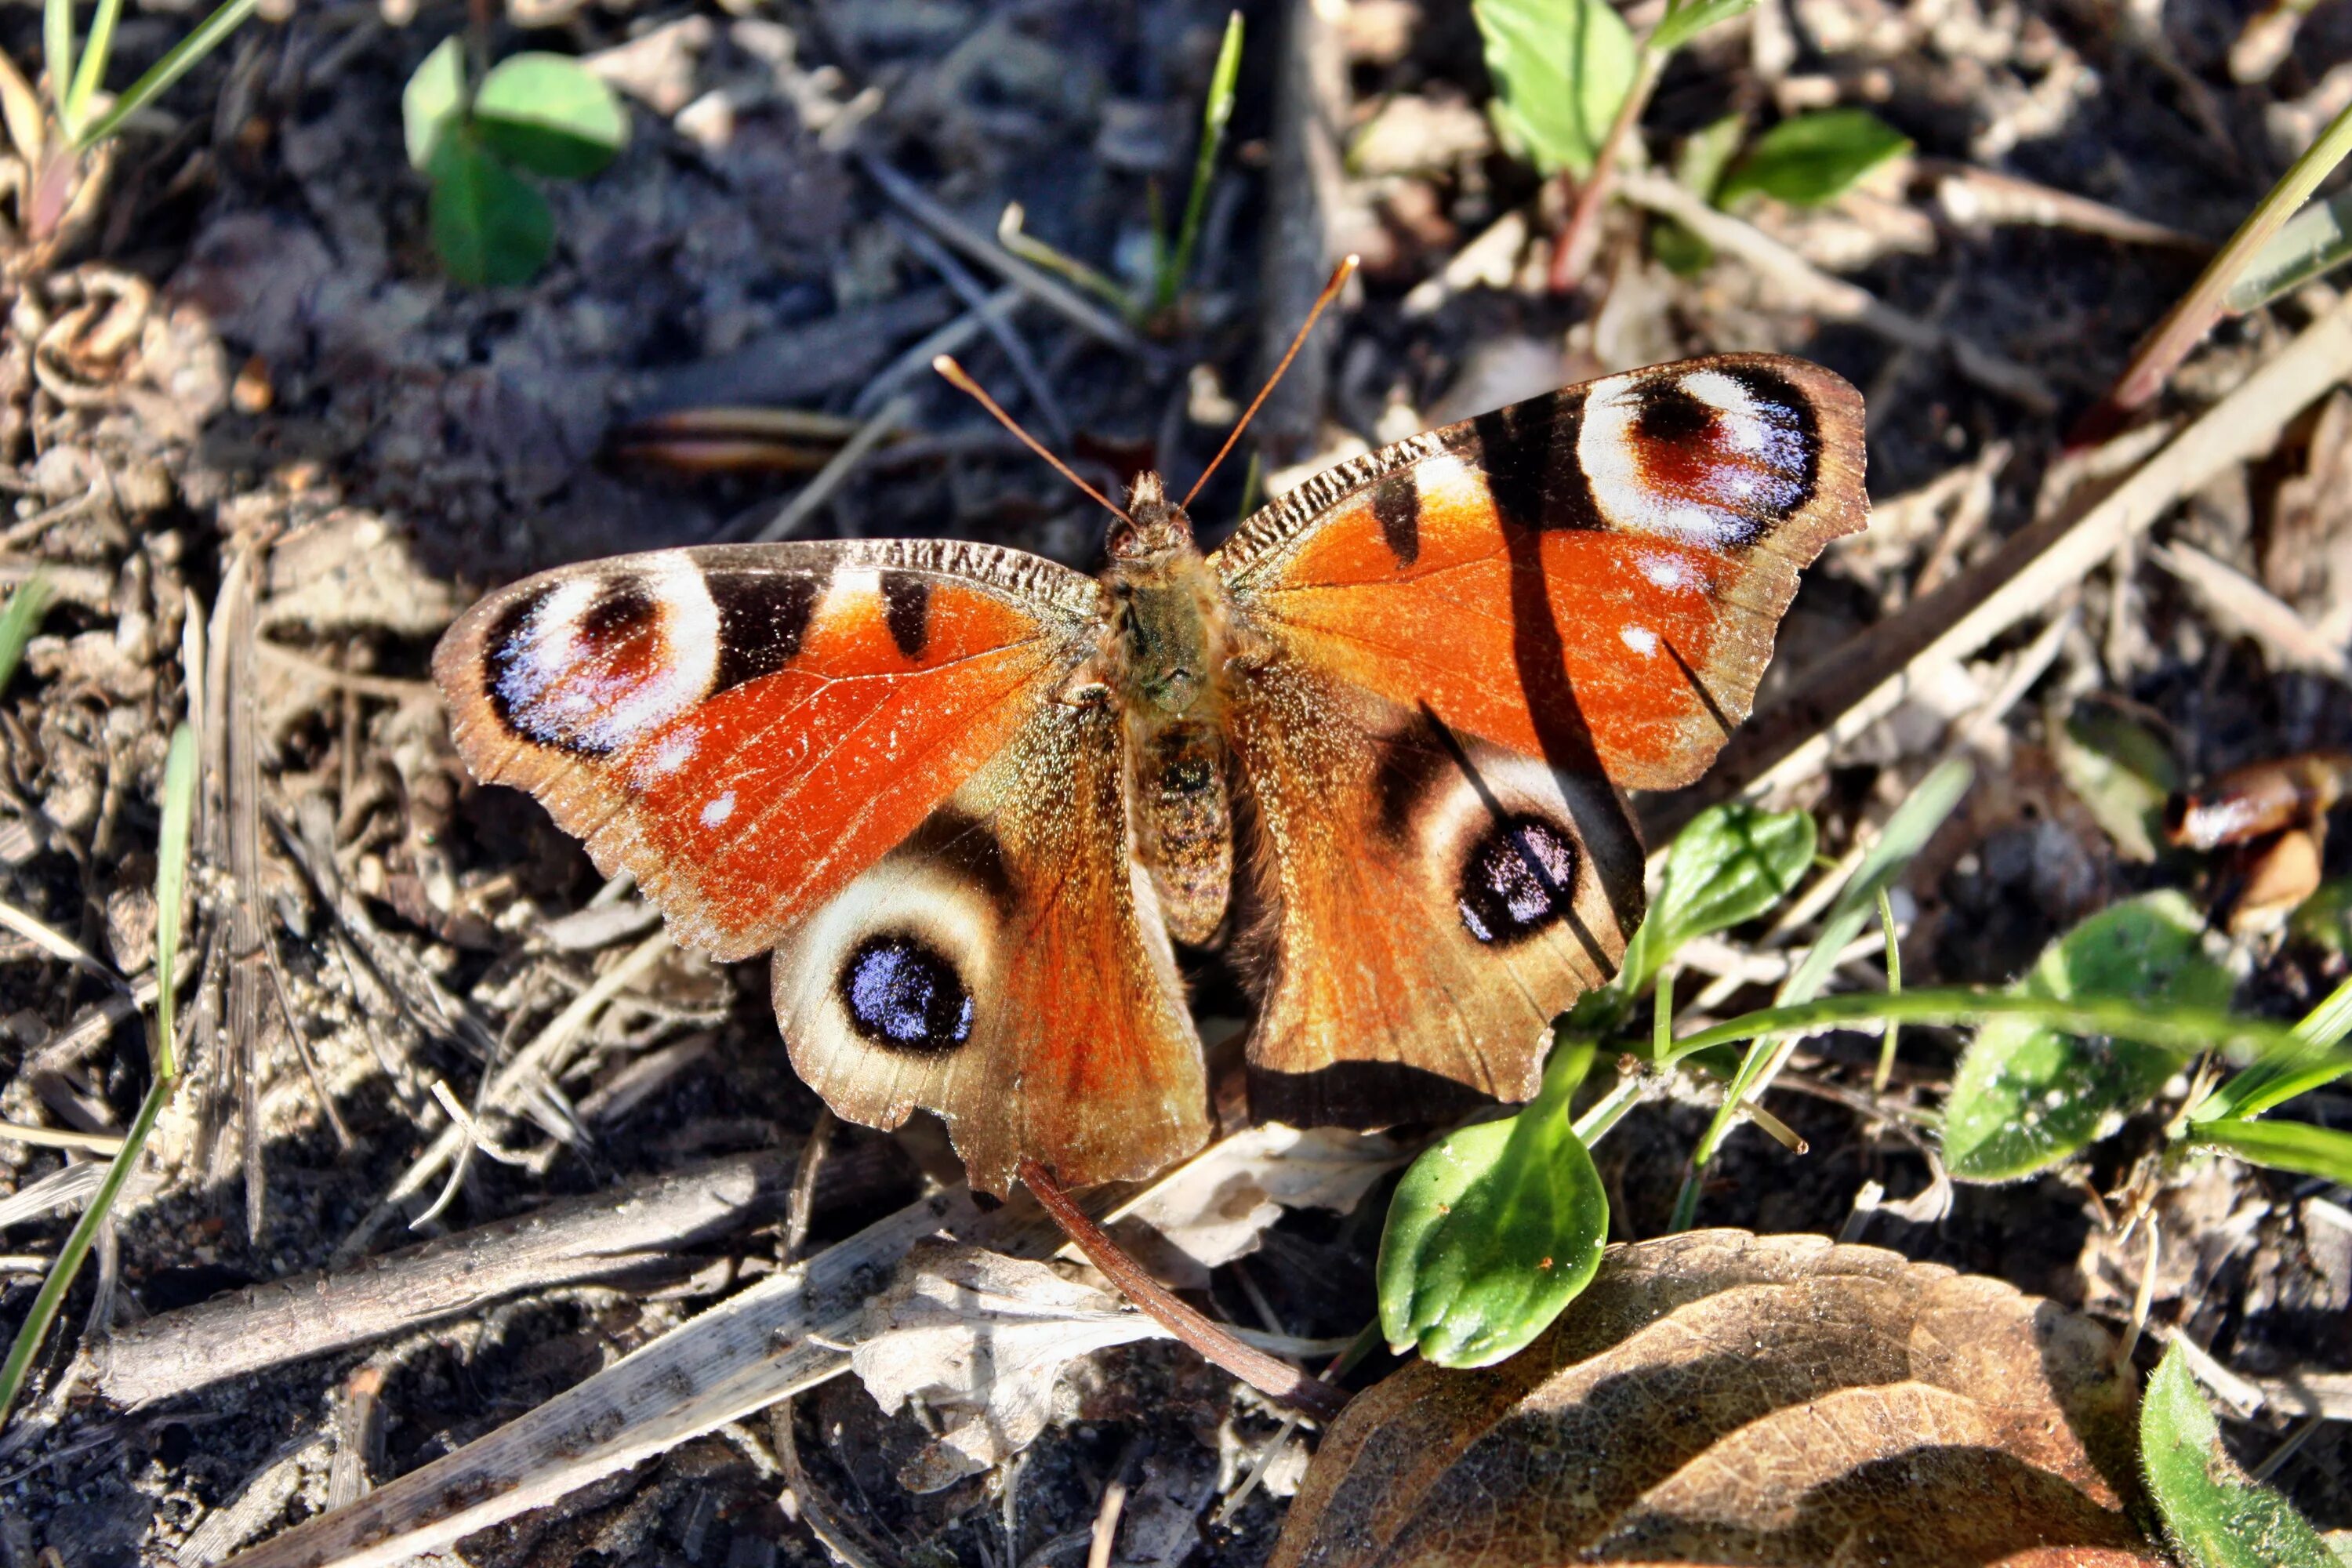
(1587, 584)
(1007, 967)
(778, 741)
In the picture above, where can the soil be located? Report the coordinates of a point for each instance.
(248, 368)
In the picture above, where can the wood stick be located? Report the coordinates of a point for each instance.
(626, 1231)
(1274, 1378)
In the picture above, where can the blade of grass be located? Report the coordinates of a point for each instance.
(1894, 988)
(171, 886)
(2297, 1146)
(1216, 115)
(2184, 1031)
(2193, 315)
(175, 64)
(1037, 253)
(2272, 1079)
(18, 621)
(90, 73)
(58, 47)
(1906, 833)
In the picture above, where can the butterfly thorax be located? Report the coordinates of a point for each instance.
(1164, 660)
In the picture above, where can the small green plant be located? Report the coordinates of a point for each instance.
(18, 621)
(171, 896)
(1171, 263)
(2214, 1514)
(60, 132)
(1496, 1229)
(1571, 84)
(543, 114)
(1811, 159)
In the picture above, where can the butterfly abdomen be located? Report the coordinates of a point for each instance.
(1165, 651)
(1184, 825)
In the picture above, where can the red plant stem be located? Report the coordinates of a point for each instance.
(1274, 1378)
(1572, 255)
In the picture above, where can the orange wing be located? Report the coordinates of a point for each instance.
(1457, 652)
(747, 728)
(1593, 578)
(1007, 967)
(854, 753)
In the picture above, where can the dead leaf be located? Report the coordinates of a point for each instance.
(1726, 1398)
(981, 1338)
(1214, 1209)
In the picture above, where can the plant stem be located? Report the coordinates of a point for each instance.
(2193, 315)
(1274, 1378)
(1572, 255)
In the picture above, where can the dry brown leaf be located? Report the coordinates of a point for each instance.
(1726, 1398)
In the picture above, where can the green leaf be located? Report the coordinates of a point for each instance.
(433, 101)
(1216, 114)
(552, 115)
(1729, 864)
(2120, 770)
(23, 616)
(1907, 830)
(177, 61)
(2296, 1146)
(1685, 22)
(490, 228)
(1814, 158)
(1561, 67)
(2276, 1077)
(1493, 1230)
(1699, 164)
(90, 73)
(58, 48)
(2316, 239)
(2215, 1515)
(2026, 1096)
(179, 807)
(2325, 919)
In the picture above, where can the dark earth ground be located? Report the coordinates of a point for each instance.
(295, 383)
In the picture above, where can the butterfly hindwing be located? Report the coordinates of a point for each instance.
(1430, 901)
(1578, 594)
(1007, 968)
(747, 728)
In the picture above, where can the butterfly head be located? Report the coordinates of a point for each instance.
(1153, 531)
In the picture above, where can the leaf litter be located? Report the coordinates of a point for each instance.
(261, 359)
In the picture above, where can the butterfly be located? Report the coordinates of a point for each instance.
(1378, 742)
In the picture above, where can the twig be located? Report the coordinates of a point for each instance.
(60, 1138)
(998, 325)
(533, 1061)
(1816, 290)
(1082, 312)
(1573, 254)
(813, 1152)
(2193, 315)
(643, 1226)
(796, 513)
(1276, 1379)
(389, 688)
(840, 1535)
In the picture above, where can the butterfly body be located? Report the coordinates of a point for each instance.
(973, 800)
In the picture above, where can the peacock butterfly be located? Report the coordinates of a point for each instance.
(972, 800)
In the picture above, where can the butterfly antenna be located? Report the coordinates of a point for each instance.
(956, 378)
(1339, 276)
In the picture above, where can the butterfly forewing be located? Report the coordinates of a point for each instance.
(1592, 576)
(746, 729)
